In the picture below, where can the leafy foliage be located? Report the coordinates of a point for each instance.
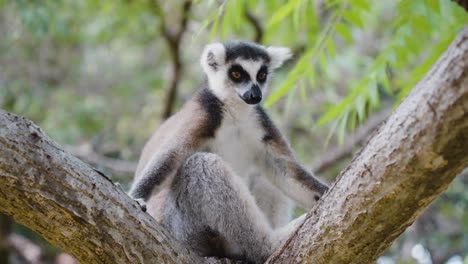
(94, 72)
(417, 32)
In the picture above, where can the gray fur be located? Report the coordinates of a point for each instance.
(235, 201)
(204, 199)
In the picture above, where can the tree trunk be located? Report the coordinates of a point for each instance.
(408, 162)
(411, 160)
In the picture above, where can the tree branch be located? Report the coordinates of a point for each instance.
(173, 38)
(256, 25)
(462, 3)
(74, 207)
(411, 159)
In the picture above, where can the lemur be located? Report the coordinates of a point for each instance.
(218, 174)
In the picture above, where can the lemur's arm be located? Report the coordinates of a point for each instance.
(284, 170)
(175, 140)
(156, 171)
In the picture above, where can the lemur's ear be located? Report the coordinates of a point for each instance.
(213, 57)
(278, 55)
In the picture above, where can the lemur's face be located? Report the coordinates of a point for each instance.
(241, 70)
(248, 78)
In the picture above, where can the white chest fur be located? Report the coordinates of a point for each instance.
(237, 142)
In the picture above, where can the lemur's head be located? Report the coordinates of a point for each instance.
(241, 69)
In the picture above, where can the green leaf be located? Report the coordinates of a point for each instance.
(361, 107)
(334, 111)
(280, 92)
(330, 133)
(344, 32)
(282, 13)
(420, 23)
(290, 101)
(226, 24)
(342, 128)
(323, 63)
(361, 4)
(296, 18)
(433, 4)
(382, 75)
(354, 18)
(373, 94)
(214, 28)
(205, 23)
(331, 47)
(303, 91)
(238, 14)
(352, 120)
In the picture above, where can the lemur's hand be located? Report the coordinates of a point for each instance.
(141, 202)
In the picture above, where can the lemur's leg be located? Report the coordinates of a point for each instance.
(211, 210)
(283, 233)
(276, 206)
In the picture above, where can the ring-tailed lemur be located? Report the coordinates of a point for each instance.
(219, 174)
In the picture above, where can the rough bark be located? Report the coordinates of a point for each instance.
(73, 206)
(408, 162)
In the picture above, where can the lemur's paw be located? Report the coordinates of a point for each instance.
(141, 202)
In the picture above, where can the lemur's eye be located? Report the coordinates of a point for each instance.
(261, 76)
(235, 74)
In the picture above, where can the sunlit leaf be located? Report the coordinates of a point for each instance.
(373, 92)
(280, 92)
(331, 48)
(214, 27)
(238, 13)
(360, 105)
(343, 121)
(344, 32)
(303, 91)
(433, 4)
(361, 4)
(283, 12)
(354, 18)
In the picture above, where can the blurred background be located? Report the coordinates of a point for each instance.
(99, 76)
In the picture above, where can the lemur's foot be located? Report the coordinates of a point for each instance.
(141, 202)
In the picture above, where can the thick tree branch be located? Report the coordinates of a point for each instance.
(411, 159)
(74, 207)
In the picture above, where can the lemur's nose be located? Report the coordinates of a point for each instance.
(255, 93)
(252, 96)
(255, 98)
